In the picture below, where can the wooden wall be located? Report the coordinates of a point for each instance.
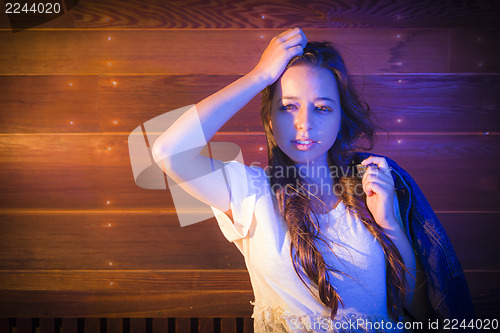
(78, 237)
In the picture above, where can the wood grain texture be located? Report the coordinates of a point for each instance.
(114, 325)
(469, 234)
(49, 104)
(56, 304)
(78, 237)
(69, 325)
(401, 103)
(81, 259)
(228, 325)
(174, 247)
(468, 49)
(485, 292)
(182, 325)
(84, 172)
(484, 289)
(160, 325)
(205, 325)
(213, 52)
(280, 14)
(92, 325)
(129, 280)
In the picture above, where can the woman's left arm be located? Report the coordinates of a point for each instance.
(379, 188)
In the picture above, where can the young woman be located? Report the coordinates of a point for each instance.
(327, 248)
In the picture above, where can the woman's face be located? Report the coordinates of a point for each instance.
(305, 114)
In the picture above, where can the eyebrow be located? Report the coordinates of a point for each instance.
(316, 99)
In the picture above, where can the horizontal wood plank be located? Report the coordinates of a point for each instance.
(484, 287)
(468, 49)
(90, 104)
(60, 304)
(86, 242)
(93, 172)
(216, 52)
(409, 103)
(129, 280)
(473, 237)
(49, 103)
(485, 292)
(280, 14)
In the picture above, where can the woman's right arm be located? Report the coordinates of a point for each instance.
(177, 150)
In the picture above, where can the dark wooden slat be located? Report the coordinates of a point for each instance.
(23, 325)
(160, 325)
(228, 325)
(69, 325)
(114, 325)
(283, 14)
(47, 325)
(89, 176)
(137, 325)
(469, 49)
(4, 325)
(182, 325)
(473, 238)
(92, 325)
(174, 280)
(248, 325)
(485, 291)
(125, 304)
(205, 325)
(213, 52)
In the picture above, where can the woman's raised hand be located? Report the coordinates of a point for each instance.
(278, 53)
(379, 188)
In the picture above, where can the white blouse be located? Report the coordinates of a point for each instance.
(282, 302)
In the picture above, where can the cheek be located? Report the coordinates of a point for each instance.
(331, 130)
(279, 125)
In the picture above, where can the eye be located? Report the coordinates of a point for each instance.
(324, 108)
(288, 107)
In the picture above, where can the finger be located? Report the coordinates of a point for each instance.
(294, 51)
(379, 161)
(285, 35)
(295, 40)
(376, 172)
(373, 188)
(385, 187)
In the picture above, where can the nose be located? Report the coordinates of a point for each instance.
(303, 119)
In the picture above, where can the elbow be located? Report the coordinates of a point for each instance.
(157, 152)
(161, 157)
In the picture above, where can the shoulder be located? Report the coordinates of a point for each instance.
(240, 173)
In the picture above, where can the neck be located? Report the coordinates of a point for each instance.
(318, 172)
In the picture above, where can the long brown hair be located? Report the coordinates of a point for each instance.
(299, 206)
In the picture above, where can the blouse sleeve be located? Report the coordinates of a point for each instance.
(240, 180)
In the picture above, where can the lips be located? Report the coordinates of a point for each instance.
(303, 144)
